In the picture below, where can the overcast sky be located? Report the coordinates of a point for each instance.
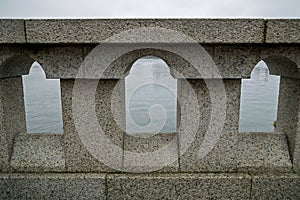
(149, 8)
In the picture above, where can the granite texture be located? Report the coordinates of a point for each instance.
(276, 186)
(97, 30)
(236, 61)
(13, 116)
(262, 152)
(179, 186)
(59, 61)
(12, 31)
(282, 60)
(208, 137)
(78, 157)
(282, 31)
(141, 143)
(288, 115)
(52, 186)
(38, 153)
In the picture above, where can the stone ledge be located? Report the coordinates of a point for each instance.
(179, 186)
(97, 30)
(52, 186)
(283, 31)
(38, 153)
(12, 31)
(283, 186)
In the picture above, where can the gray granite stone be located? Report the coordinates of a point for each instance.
(288, 113)
(140, 143)
(179, 186)
(79, 157)
(59, 61)
(262, 152)
(52, 186)
(282, 60)
(97, 30)
(12, 31)
(296, 156)
(13, 116)
(213, 134)
(276, 186)
(283, 31)
(38, 153)
(236, 61)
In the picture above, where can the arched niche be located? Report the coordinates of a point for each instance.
(150, 97)
(288, 101)
(179, 67)
(259, 100)
(15, 66)
(42, 99)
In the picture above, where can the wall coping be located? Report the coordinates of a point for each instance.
(206, 31)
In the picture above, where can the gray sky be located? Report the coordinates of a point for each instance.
(149, 8)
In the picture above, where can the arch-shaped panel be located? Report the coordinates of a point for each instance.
(15, 66)
(282, 66)
(179, 67)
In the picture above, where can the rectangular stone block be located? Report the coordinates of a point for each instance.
(283, 31)
(97, 30)
(146, 153)
(179, 186)
(52, 186)
(12, 31)
(219, 103)
(92, 101)
(288, 116)
(38, 153)
(262, 152)
(277, 186)
(12, 116)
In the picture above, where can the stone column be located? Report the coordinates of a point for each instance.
(288, 119)
(78, 157)
(12, 117)
(220, 155)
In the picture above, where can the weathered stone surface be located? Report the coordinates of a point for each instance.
(94, 105)
(52, 186)
(140, 143)
(179, 186)
(13, 116)
(38, 153)
(276, 186)
(262, 152)
(282, 60)
(283, 31)
(97, 30)
(12, 31)
(218, 119)
(236, 61)
(288, 115)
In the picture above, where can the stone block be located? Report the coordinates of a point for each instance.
(52, 186)
(97, 30)
(92, 101)
(12, 116)
(218, 121)
(283, 31)
(38, 153)
(12, 31)
(179, 186)
(261, 152)
(276, 186)
(150, 153)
